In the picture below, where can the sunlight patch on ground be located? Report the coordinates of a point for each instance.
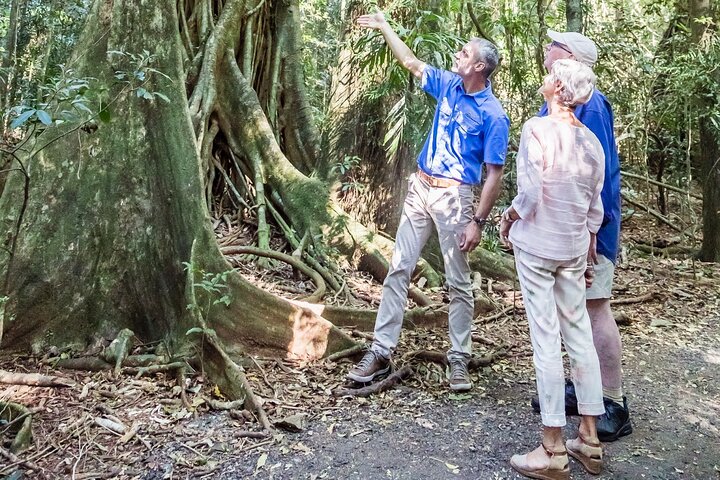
(713, 356)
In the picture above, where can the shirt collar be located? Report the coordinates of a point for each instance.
(479, 96)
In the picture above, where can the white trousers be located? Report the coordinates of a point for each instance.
(450, 210)
(554, 297)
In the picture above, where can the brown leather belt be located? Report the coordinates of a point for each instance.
(437, 182)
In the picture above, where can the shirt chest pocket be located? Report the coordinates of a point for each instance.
(469, 124)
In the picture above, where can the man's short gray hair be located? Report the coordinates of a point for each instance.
(487, 53)
(576, 79)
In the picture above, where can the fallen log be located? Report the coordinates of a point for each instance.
(34, 380)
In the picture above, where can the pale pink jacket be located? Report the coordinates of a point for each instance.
(560, 173)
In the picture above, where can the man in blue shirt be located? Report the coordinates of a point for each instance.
(597, 115)
(469, 129)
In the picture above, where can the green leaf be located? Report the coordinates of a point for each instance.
(19, 121)
(44, 117)
(104, 115)
(194, 330)
(162, 97)
(140, 92)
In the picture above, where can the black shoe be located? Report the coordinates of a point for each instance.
(615, 422)
(570, 400)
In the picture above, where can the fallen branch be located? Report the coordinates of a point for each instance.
(660, 184)
(249, 434)
(642, 298)
(354, 350)
(34, 379)
(665, 251)
(392, 380)
(653, 212)
(495, 316)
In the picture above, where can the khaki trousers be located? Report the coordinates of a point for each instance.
(450, 209)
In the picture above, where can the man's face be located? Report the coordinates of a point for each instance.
(465, 63)
(555, 51)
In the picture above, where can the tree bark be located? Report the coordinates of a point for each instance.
(114, 212)
(708, 149)
(574, 15)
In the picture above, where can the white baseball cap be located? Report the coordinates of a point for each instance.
(582, 48)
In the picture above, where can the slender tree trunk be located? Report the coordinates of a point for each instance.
(9, 58)
(574, 15)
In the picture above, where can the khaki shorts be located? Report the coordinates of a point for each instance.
(602, 285)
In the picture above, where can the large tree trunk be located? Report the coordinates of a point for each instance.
(114, 210)
(709, 138)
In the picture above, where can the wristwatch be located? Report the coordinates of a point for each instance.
(480, 221)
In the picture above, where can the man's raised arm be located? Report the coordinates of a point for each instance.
(402, 52)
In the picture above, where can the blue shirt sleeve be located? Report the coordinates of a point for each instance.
(497, 134)
(435, 81)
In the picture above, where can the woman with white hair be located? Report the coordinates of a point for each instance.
(551, 226)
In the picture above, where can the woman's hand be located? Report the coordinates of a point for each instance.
(506, 222)
(589, 274)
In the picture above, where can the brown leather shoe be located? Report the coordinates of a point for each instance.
(557, 469)
(588, 453)
(371, 366)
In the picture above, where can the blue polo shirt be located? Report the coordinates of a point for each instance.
(597, 115)
(467, 130)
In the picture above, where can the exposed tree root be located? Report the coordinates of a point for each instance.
(14, 459)
(392, 380)
(34, 379)
(441, 358)
(180, 377)
(364, 319)
(230, 378)
(21, 419)
(220, 405)
(152, 369)
(118, 350)
(319, 292)
(96, 364)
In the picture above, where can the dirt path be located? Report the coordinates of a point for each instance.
(674, 394)
(418, 430)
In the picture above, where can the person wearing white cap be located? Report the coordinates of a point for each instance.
(597, 115)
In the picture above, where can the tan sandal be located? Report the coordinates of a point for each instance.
(588, 453)
(558, 468)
